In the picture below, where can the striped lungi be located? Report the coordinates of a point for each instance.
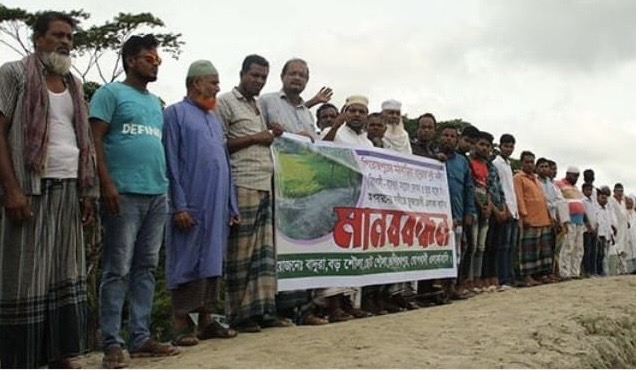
(250, 265)
(535, 254)
(43, 304)
(196, 294)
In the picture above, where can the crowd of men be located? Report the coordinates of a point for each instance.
(197, 177)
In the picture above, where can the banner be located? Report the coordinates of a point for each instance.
(356, 217)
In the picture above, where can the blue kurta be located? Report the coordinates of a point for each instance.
(201, 184)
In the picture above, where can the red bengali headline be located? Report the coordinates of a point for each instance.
(369, 227)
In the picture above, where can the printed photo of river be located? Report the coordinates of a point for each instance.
(311, 181)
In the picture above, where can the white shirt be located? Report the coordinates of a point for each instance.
(62, 150)
(347, 136)
(505, 175)
(605, 221)
(591, 208)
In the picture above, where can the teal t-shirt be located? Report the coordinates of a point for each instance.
(134, 153)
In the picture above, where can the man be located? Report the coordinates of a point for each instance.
(465, 146)
(127, 123)
(590, 233)
(490, 278)
(506, 232)
(396, 136)
(559, 214)
(203, 205)
(423, 144)
(462, 195)
(571, 254)
(287, 107)
(588, 178)
(553, 169)
(349, 127)
(467, 140)
(251, 257)
(617, 251)
(380, 299)
(325, 116)
(489, 200)
(630, 253)
(606, 229)
(48, 184)
(536, 234)
(376, 128)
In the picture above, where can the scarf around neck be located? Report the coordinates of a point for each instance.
(35, 113)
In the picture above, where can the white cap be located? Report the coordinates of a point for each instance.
(392, 105)
(573, 169)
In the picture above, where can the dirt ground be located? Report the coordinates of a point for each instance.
(582, 323)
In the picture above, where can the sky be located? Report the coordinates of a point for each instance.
(557, 74)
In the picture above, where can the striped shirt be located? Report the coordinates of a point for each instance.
(575, 201)
(252, 167)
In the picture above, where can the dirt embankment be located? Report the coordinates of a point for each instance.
(583, 323)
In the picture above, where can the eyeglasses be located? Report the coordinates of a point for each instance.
(151, 58)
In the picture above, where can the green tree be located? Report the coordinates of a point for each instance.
(97, 47)
(410, 125)
(98, 61)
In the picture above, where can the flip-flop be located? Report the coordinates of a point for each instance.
(216, 330)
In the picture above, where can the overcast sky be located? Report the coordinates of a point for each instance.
(556, 74)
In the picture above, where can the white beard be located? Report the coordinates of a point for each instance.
(58, 63)
(397, 137)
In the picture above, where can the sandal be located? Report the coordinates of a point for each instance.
(216, 330)
(152, 348)
(64, 363)
(311, 319)
(247, 326)
(338, 315)
(358, 313)
(114, 358)
(185, 340)
(276, 323)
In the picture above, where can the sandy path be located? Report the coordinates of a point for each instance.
(580, 323)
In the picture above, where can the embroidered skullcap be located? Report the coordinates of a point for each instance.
(573, 169)
(201, 68)
(357, 99)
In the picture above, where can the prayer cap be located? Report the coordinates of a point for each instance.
(357, 99)
(573, 169)
(201, 68)
(392, 105)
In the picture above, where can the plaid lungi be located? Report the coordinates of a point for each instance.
(43, 303)
(535, 254)
(250, 265)
(196, 294)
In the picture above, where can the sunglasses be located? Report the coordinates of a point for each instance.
(151, 58)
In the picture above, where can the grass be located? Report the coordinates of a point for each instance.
(307, 174)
